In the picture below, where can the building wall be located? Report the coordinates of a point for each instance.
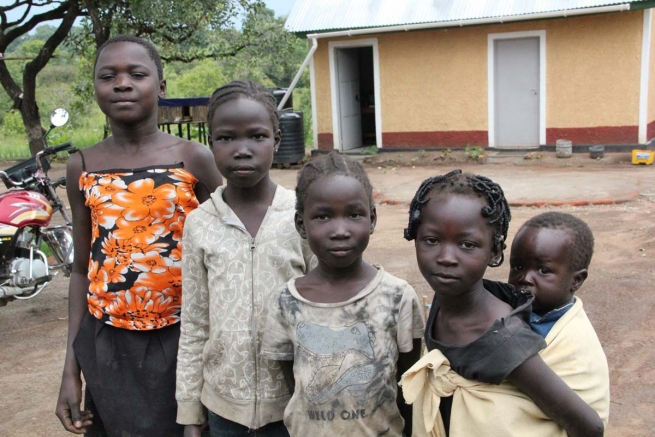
(651, 82)
(593, 78)
(434, 83)
(323, 97)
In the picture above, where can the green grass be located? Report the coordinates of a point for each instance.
(82, 132)
(12, 151)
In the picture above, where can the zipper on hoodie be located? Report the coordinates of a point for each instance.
(253, 324)
(253, 327)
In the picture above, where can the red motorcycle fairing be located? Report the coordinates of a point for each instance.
(24, 208)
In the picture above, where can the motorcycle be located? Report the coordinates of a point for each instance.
(26, 210)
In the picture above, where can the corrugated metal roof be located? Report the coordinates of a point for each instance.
(318, 15)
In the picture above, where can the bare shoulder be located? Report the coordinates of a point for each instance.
(496, 308)
(191, 152)
(197, 153)
(75, 162)
(199, 161)
(87, 157)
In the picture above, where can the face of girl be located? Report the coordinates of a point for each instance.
(453, 243)
(243, 141)
(539, 262)
(337, 221)
(126, 83)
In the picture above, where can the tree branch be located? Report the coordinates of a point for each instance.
(8, 83)
(25, 14)
(33, 67)
(190, 57)
(55, 39)
(15, 32)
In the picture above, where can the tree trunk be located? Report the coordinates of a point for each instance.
(25, 102)
(32, 121)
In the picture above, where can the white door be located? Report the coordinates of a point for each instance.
(516, 92)
(350, 118)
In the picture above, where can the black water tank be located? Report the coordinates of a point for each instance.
(292, 145)
(279, 93)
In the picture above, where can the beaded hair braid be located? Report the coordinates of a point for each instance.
(456, 182)
(332, 164)
(581, 244)
(150, 48)
(243, 89)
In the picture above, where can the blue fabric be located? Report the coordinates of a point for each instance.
(192, 101)
(543, 325)
(222, 427)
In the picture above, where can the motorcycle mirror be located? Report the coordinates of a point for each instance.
(59, 117)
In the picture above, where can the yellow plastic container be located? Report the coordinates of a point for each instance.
(643, 157)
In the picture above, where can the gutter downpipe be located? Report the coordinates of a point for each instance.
(462, 23)
(298, 74)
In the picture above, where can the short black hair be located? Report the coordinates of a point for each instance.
(150, 48)
(465, 184)
(581, 246)
(247, 89)
(332, 164)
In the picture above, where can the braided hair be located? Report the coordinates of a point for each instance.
(456, 182)
(150, 48)
(332, 164)
(243, 89)
(581, 245)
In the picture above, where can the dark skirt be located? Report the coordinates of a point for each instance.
(130, 379)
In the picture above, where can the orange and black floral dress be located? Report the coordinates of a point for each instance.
(137, 220)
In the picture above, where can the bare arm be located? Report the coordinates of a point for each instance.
(203, 166)
(556, 399)
(405, 361)
(192, 431)
(70, 393)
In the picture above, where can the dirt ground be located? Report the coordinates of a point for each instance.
(618, 297)
(448, 157)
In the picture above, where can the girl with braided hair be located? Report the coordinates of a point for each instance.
(240, 248)
(483, 355)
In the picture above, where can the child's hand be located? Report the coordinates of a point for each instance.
(192, 431)
(68, 406)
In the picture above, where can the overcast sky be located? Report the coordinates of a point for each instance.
(281, 7)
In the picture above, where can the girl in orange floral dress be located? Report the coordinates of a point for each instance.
(135, 190)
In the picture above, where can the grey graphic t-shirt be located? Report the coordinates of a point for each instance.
(345, 357)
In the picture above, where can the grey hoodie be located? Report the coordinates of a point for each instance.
(229, 281)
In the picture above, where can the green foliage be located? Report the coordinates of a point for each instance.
(13, 123)
(370, 150)
(42, 33)
(31, 48)
(474, 152)
(199, 81)
(302, 101)
(278, 54)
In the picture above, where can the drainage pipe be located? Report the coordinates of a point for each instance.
(298, 74)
